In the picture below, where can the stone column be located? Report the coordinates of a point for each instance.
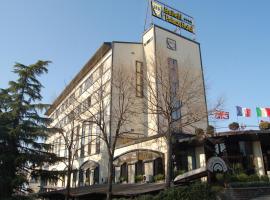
(200, 157)
(117, 174)
(258, 158)
(131, 173)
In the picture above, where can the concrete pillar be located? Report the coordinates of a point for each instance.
(190, 162)
(258, 158)
(117, 174)
(148, 168)
(200, 157)
(131, 173)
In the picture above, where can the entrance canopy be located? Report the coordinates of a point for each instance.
(136, 155)
(89, 165)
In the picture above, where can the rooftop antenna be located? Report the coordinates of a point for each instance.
(150, 15)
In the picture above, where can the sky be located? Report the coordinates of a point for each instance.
(234, 38)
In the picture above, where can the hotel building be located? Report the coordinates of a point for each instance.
(143, 150)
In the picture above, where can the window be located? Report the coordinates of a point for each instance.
(88, 82)
(59, 145)
(171, 44)
(89, 101)
(82, 141)
(89, 132)
(139, 79)
(101, 70)
(97, 140)
(174, 87)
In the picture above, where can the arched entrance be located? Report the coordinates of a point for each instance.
(89, 173)
(138, 162)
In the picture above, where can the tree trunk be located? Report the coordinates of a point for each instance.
(68, 184)
(68, 175)
(169, 161)
(110, 177)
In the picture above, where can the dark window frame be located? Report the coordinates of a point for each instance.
(139, 76)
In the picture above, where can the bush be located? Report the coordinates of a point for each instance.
(179, 172)
(253, 178)
(242, 177)
(159, 177)
(250, 184)
(237, 168)
(264, 178)
(234, 126)
(138, 178)
(264, 125)
(122, 179)
(197, 191)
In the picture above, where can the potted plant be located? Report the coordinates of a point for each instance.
(264, 125)
(159, 178)
(139, 179)
(122, 179)
(234, 126)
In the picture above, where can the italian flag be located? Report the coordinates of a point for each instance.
(263, 112)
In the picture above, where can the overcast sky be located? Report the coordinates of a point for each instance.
(234, 37)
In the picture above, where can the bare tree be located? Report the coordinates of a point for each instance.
(176, 101)
(112, 107)
(68, 128)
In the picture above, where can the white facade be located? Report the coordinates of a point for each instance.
(82, 92)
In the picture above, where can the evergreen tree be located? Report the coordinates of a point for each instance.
(22, 129)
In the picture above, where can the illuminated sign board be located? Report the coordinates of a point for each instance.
(175, 17)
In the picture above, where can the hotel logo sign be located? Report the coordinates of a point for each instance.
(216, 164)
(172, 16)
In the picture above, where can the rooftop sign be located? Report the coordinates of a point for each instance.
(172, 16)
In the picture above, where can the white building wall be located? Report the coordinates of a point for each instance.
(122, 58)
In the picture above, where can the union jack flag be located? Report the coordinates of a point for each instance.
(222, 115)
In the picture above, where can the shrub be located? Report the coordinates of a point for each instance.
(138, 178)
(179, 172)
(197, 191)
(220, 177)
(122, 179)
(159, 177)
(253, 178)
(242, 177)
(234, 126)
(238, 168)
(250, 184)
(264, 125)
(264, 178)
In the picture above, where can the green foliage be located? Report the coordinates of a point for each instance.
(264, 178)
(220, 177)
(237, 168)
(23, 129)
(234, 126)
(264, 125)
(122, 179)
(197, 191)
(159, 177)
(250, 184)
(138, 178)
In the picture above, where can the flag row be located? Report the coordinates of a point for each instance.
(243, 112)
